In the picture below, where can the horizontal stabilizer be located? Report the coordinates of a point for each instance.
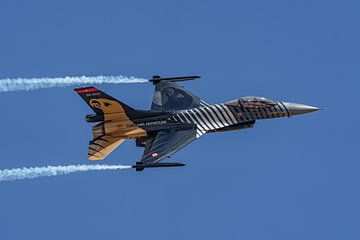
(102, 146)
(157, 79)
(140, 165)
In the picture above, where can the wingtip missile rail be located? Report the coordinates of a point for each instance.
(157, 79)
(140, 166)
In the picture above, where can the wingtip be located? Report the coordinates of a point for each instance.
(156, 79)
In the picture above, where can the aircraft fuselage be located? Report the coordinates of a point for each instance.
(206, 118)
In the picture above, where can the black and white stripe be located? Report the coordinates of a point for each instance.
(210, 117)
(204, 104)
(207, 117)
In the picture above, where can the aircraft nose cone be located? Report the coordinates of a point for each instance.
(297, 108)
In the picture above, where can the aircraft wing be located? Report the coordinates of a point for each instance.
(165, 143)
(170, 96)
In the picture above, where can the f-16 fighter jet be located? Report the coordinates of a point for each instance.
(177, 117)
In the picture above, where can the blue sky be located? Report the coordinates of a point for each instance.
(291, 178)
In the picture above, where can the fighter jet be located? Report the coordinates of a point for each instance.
(177, 117)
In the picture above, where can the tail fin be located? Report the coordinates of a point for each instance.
(100, 102)
(107, 133)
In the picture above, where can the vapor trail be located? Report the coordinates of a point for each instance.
(26, 84)
(35, 172)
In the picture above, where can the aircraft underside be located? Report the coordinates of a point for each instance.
(176, 118)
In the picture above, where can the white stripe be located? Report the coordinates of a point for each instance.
(198, 125)
(180, 118)
(205, 120)
(280, 111)
(203, 125)
(209, 118)
(205, 103)
(218, 114)
(230, 114)
(224, 114)
(199, 133)
(187, 120)
(214, 116)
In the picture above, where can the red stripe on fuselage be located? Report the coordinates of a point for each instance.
(87, 90)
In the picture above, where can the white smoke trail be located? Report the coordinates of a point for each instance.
(26, 84)
(34, 172)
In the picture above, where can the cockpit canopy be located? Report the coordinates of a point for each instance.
(252, 102)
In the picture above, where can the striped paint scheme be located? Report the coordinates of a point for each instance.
(211, 117)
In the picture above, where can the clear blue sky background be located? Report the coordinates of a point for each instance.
(294, 178)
